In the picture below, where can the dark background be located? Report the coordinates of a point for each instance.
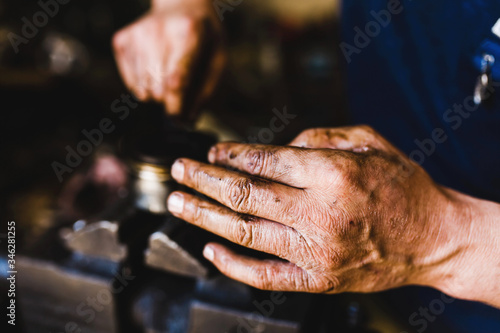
(271, 64)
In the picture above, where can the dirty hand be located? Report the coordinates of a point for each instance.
(344, 208)
(156, 55)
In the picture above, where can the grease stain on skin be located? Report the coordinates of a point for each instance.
(247, 218)
(334, 135)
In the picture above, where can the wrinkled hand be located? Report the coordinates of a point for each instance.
(344, 208)
(156, 55)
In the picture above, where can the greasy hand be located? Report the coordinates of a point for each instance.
(343, 207)
(156, 55)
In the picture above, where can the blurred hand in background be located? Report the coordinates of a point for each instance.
(158, 56)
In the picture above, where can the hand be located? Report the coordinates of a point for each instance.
(156, 55)
(346, 211)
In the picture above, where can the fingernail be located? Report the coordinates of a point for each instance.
(175, 203)
(212, 154)
(178, 170)
(208, 252)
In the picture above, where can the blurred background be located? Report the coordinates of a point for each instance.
(64, 80)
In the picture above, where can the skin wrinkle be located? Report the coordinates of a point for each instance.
(246, 236)
(303, 258)
(267, 275)
(240, 192)
(247, 228)
(258, 160)
(199, 212)
(289, 241)
(246, 157)
(358, 225)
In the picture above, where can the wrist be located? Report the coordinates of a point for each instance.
(469, 237)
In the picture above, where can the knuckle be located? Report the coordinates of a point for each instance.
(307, 135)
(196, 175)
(224, 264)
(118, 40)
(346, 167)
(198, 215)
(329, 285)
(177, 80)
(186, 24)
(369, 133)
(245, 233)
(366, 128)
(264, 277)
(301, 282)
(240, 194)
(314, 131)
(256, 160)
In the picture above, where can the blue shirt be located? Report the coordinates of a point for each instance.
(412, 67)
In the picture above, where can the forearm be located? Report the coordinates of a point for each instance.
(474, 272)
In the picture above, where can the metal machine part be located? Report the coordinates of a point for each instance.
(164, 253)
(98, 239)
(206, 318)
(140, 223)
(151, 187)
(58, 298)
(136, 268)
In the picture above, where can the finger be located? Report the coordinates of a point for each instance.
(185, 45)
(216, 67)
(209, 83)
(261, 274)
(252, 232)
(243, 194)
(155, 72)
(286, 165)
(355, 138)
(125, 61)
(142, 84)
